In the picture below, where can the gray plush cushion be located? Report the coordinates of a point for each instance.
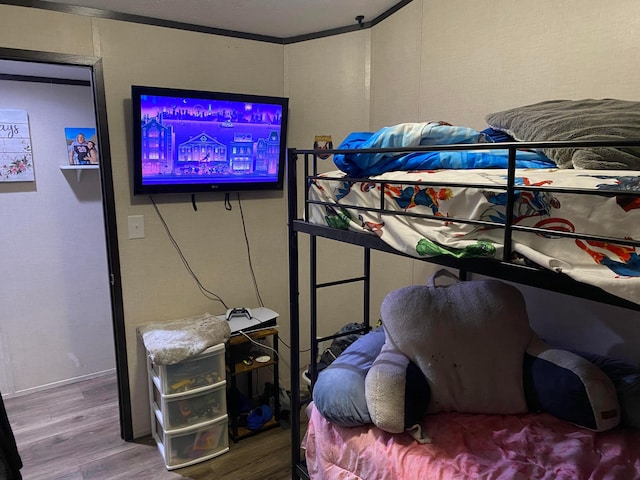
(589, 119)
(468, 339)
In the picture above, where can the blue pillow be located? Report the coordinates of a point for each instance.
(626, 380)
(339, 391)
(569, 387)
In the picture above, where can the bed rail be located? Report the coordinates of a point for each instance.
(505, 267)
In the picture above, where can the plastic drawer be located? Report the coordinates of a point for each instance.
(189, 446)
(208, 368)
(186, 410)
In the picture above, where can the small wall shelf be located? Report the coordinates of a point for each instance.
(79, 168)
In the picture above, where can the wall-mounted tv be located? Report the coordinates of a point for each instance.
(189, 141)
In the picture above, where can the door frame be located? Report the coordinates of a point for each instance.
(109, 213)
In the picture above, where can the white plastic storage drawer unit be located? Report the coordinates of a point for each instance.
(188, 406)
(187, 409)
(203, 370)
(192, 445)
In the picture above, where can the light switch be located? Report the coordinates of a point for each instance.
(136, 226)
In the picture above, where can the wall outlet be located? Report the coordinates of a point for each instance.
(136, 226)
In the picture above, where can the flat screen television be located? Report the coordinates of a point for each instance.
(190, 141)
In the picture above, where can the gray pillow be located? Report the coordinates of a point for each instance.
(468, 339)
(567, 120)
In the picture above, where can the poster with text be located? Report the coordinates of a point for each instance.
(16, 162)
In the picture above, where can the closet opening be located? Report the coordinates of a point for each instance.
(46, 168)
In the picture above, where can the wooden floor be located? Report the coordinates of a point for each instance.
(73, 433)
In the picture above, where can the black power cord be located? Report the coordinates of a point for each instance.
(207, 293)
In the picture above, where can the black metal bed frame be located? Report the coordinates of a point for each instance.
(505, 268)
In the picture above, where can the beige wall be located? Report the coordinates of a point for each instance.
(457, 60)
(395, 68)
(453, 60)
(32, 29)
(483, 56)
(329, 83)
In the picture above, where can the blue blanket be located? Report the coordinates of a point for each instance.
(428, 133)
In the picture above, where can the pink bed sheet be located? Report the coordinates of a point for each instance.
(467, 446)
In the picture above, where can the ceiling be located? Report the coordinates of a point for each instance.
(281, 19)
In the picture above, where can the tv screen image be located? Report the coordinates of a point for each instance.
(188, 141)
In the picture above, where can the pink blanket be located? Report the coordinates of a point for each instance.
(468, 446)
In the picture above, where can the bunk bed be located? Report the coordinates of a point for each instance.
(490, 241)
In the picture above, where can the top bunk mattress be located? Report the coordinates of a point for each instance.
(590, 236)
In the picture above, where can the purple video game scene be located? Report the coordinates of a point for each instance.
(192, 141)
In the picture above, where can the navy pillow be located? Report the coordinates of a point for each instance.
(543, 381)
(571, 388)
(626, 380)
(339, 392)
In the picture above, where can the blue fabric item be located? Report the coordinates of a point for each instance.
(339, 392)
(258, 417)
(430, 133)
(497, 136)
(553, 389)
(626, 379)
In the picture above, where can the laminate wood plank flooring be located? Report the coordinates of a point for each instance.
(72, 432)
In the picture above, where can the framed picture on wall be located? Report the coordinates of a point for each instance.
(82, 146)
(16, 162)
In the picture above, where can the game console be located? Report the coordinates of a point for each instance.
(242, 319)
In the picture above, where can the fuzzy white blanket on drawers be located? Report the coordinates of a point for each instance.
(176, 340)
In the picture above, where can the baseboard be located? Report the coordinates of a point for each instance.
(61, 383)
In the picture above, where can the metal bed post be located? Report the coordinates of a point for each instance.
(298, 468)
(294, 315)
(367, 288)
(511, 198)
(313, 307)
(313, 280)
